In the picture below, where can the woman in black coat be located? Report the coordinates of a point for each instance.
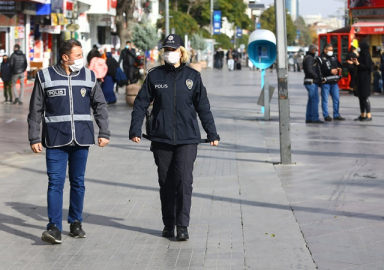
(363, 81)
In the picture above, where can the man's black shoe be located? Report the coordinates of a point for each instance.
(76, 231)
(52, 235)
(318, 122)
(339, 118)
(328, 118)
(182, 234)
(168, 231)
(16, 101)
(360, 118)
(308, 121)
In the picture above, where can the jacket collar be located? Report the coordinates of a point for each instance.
(171, 68)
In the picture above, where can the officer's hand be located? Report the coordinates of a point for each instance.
(215, 143)
(103, 142)
(37, 147)
(136, 139)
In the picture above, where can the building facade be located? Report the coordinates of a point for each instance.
(293, 8)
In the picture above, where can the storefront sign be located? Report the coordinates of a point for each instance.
(369, 30)
(361, 4)
(10, 8)
(359, 13)
(29, 8)
(44, 9)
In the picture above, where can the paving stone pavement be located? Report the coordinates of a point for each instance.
(323, 212)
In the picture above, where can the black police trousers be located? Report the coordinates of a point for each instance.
(175, 167)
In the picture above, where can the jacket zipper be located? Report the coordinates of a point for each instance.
(174, 110)
(71, 110)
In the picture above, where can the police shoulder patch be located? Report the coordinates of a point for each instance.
(189, 83)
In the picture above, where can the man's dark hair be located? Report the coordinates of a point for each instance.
(95, 46)
(17, 46)
(326, 46)
(352, 49)
(128, 42)
(66, 46)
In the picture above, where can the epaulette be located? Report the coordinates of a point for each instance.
(193, 70)
(153, 68)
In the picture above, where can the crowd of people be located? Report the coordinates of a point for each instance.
(324, 72)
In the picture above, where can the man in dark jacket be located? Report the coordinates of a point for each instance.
(312, 81)
(6, 76)
(330, 68)
(382, 66)
(62, 99)
(18, 63)
(128, 56)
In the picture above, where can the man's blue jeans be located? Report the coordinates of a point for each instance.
(57, 160)
(333, 89)
(313, 102)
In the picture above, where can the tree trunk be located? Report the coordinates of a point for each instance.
(175, 7)
(125, 23)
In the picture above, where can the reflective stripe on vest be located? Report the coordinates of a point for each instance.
(49, 83)
(67, 118)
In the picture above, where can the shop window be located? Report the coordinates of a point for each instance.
(376, 51)
(3, 40)
(323, 41)
(101, 34)
(334, 42)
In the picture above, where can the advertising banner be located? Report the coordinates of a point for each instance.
(358, 4)
(216, 22)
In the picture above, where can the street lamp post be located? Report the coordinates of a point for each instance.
(211, 17)
(166, 18)
(282, 77)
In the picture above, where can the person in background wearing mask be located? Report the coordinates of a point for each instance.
(178, 96)
(62, 98)
(18, 63)
(330, 68)
(6, 76)
(128, 56)
(312, 81)
(352, 54)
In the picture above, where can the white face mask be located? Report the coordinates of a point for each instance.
(172, 58)
(77, 65)
(330, 53)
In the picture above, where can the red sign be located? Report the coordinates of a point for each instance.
(69, 5)
(357, 4)
(113, 3)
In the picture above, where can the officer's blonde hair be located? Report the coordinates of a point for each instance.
(185, 55)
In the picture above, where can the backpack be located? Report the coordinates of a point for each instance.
(99, 66)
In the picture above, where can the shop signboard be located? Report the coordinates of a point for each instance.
(216, 21)
(361, 4)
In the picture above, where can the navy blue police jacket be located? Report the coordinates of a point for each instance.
(63, 103)
(178, 96)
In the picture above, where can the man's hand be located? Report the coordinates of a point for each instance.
(215, 143)
(334, 71)
(103, 142)
(136, 139)
(37, 147)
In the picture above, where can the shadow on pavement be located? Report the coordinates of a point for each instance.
(108, 221)
(35, 212)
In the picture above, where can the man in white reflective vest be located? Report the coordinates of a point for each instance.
(62, 98)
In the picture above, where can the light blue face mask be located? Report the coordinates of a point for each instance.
(127, 46)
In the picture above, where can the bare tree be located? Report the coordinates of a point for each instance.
(124, 20)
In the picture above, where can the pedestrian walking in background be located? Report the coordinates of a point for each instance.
(230, 60)
(178, 96)
(363, 81)
(18, 63)
(330, 68)
(312, 81)
(128, 56)
(6, 76)
(110, 79)
(93, 53)
(352, 54)
(376, 80)
(62, 98)
(99, 66)
(220, 58)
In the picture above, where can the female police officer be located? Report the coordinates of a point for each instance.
(178, 95)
